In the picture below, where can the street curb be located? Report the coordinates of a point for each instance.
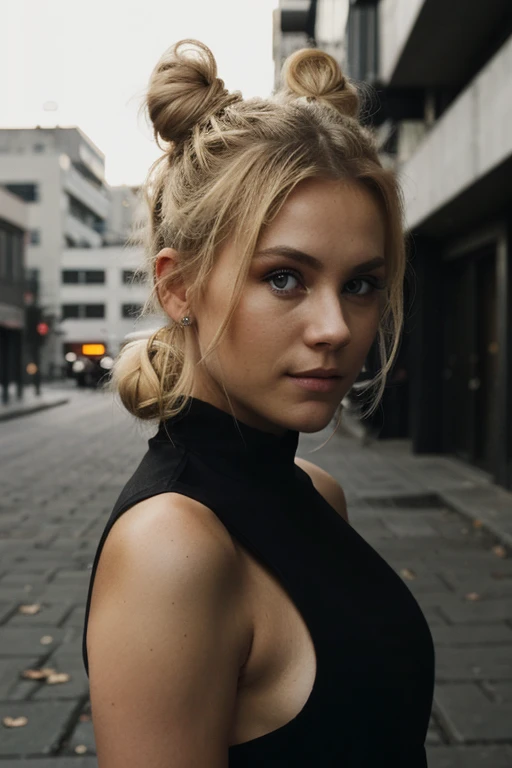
(428, 499)
(16, 414)
(487, 525)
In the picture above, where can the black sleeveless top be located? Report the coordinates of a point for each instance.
(372, 696)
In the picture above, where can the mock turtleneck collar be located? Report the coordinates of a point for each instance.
(227, 442)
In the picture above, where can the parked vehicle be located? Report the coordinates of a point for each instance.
(91, 368)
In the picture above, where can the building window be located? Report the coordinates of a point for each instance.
(70, 276)
(27, 192)
(35, 237)
(82, 311)
(94, 310)
(84, 214)
(94, 276)
(131, 276)
(131, 310)
(70, 310)
(83, 277)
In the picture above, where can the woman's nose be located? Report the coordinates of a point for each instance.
(327, 324)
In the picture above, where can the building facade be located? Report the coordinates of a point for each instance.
(101, 297)
(442, 116)
(13, 225)
(59, 174)
(293, 28)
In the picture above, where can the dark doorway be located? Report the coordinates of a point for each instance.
(471, 358)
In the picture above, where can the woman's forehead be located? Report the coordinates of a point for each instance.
(323, 217)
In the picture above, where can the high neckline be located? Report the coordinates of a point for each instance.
(229, 443)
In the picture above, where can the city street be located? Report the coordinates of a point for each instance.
(60, 473)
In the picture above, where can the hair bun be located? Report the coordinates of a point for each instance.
(315, 74)
(184, 90)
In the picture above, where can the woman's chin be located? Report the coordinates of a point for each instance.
(314, 419)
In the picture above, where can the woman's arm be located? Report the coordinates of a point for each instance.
(168, 633)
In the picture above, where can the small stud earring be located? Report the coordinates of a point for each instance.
(186, 321)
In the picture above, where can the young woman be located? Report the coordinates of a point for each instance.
(237, 619)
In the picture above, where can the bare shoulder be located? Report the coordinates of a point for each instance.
(167, 540)
(168, 633)
(326, 485)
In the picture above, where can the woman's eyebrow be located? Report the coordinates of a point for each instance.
(311, 261)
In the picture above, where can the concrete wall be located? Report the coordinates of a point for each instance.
(396, 20)
(94, 198)
(44, 215)
(469, 140)
(13, 210)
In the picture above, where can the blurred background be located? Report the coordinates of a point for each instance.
(437, 80)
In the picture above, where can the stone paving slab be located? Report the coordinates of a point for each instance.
(58, 762)
(15, 641)
(47, 723)
(458, 612)
(460, 664)
(67, 658)
(12, 685)
(469, 715)
(50, 614)
(469, 757)
(479, 635)
(82, 736)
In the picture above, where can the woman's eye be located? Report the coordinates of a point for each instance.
(283, 282)
(368, 287)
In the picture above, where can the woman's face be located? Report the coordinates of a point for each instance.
(310, 304)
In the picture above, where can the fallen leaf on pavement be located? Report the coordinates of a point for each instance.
(477, 524)
(29, 610)
(473, 596)
(37, 674)
(48, 671)
(58, 677)
(84, 718)
(80, 749)
(499, 551)
(46, 640)
(406, 573)
(15, 722)
(32, 674)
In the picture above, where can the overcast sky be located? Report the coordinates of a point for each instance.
(94, 58)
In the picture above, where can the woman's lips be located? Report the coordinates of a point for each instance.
(317, 383)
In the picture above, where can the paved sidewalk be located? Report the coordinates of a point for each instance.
(60, 474)
(389, 468)
(31, 403)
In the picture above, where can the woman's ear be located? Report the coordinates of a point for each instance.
(171, 290)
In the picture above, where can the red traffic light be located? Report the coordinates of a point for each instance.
(42, 328)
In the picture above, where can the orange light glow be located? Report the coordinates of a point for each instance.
(93, 349)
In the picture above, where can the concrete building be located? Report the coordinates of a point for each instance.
(126, 214)
(293, 28)
(330, 20)
(442, 113)
(101, 297)
(13, 225)
(59, 173)
(102, 289)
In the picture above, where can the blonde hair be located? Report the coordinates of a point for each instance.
(228, 166)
